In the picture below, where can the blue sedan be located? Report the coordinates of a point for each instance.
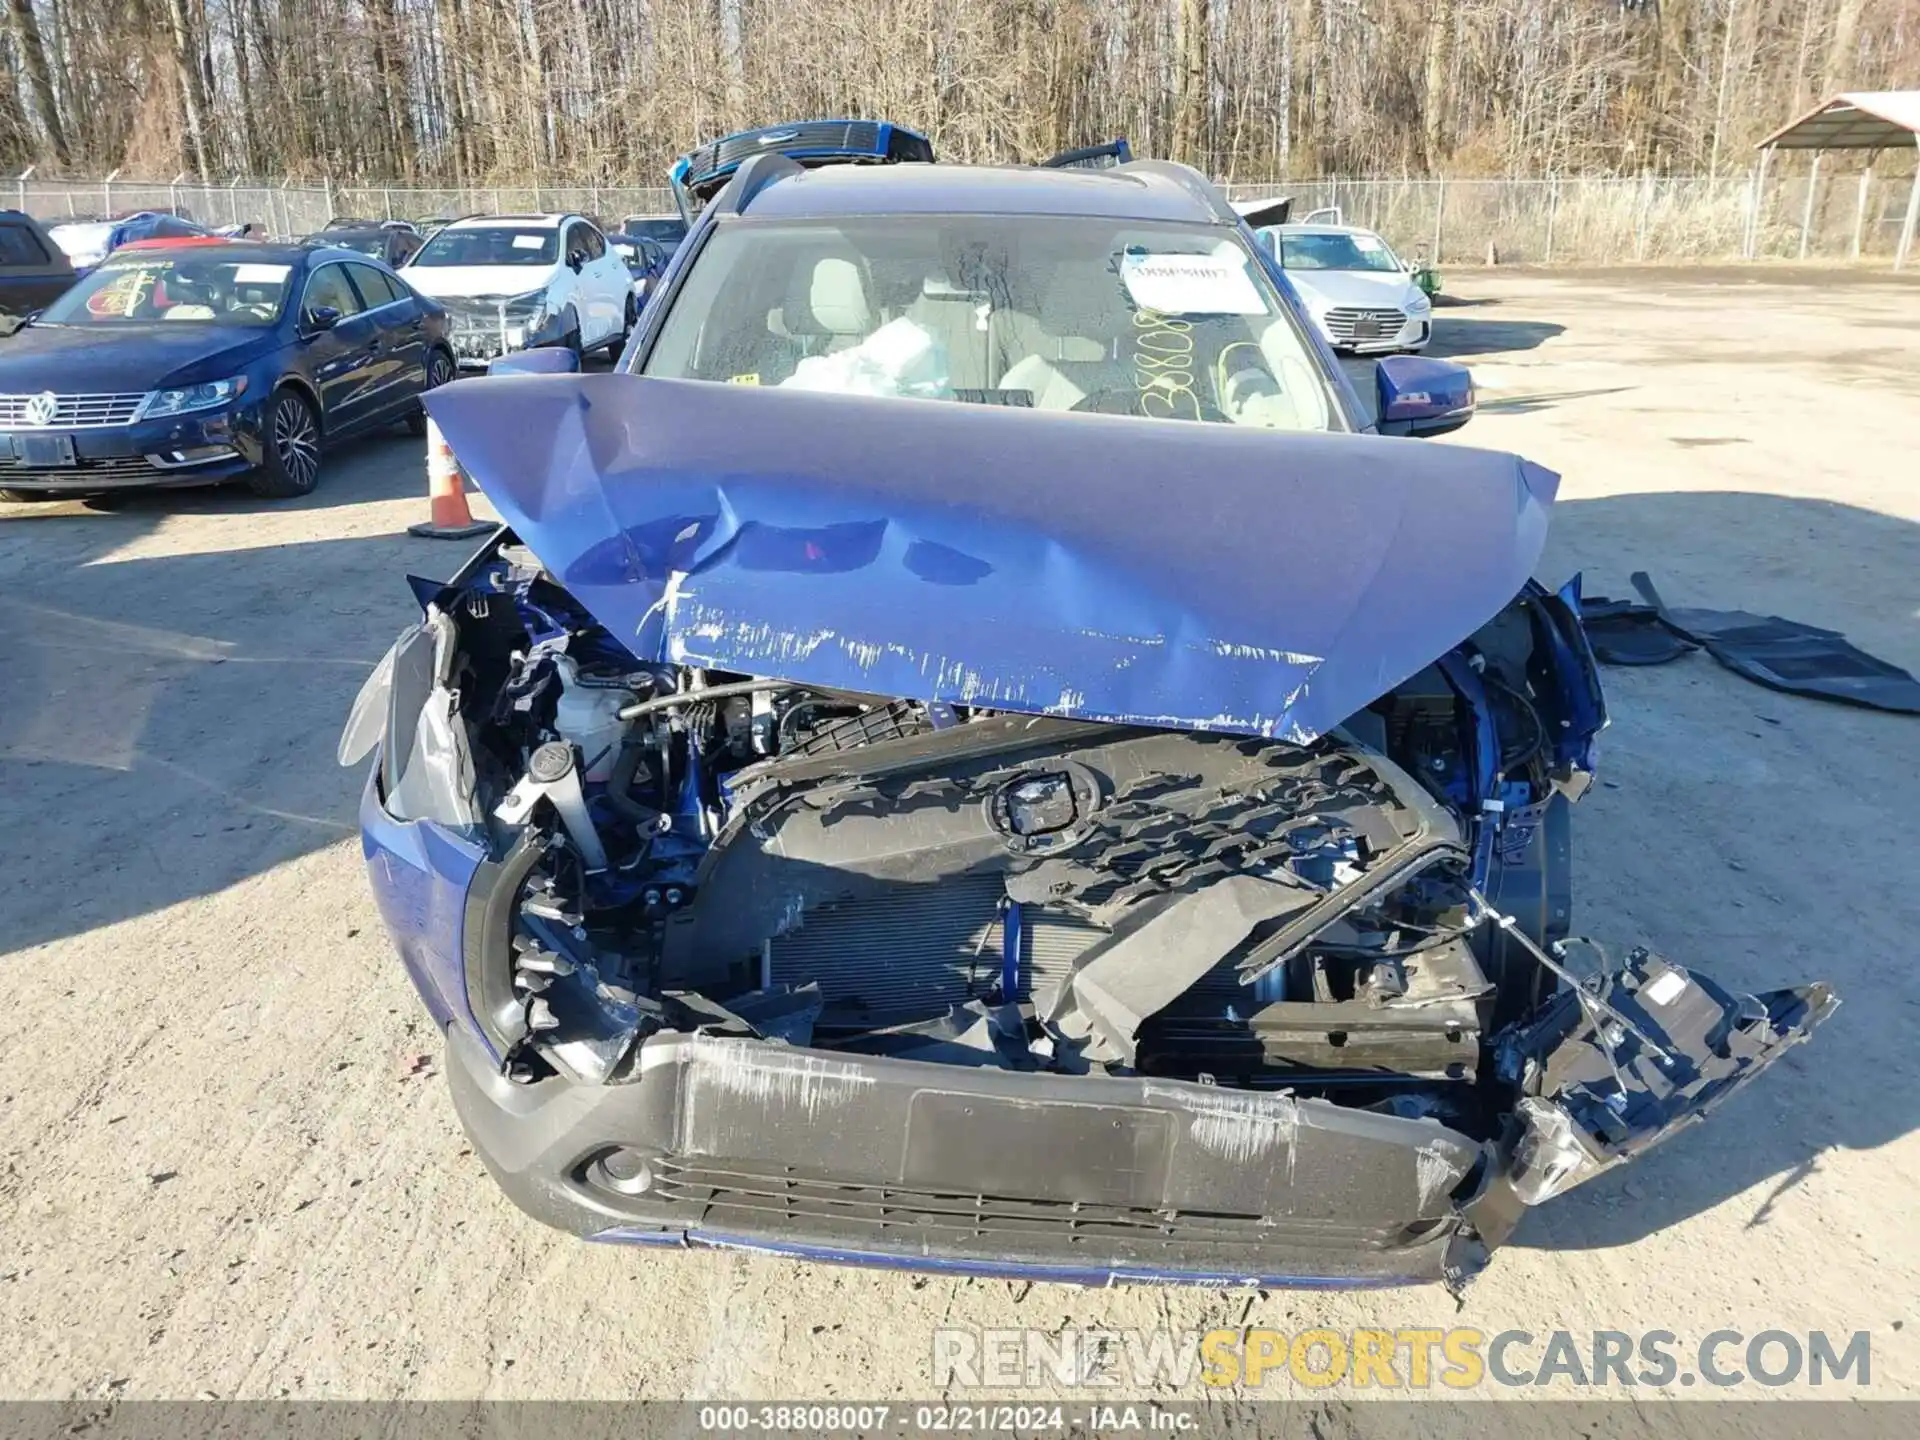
(209, 361)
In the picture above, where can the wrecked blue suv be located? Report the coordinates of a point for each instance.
(967, 754)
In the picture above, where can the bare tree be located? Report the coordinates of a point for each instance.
(33, 56)
(192, 91)
(609, 91)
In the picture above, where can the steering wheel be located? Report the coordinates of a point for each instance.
(1167, 404)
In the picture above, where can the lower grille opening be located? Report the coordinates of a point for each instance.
(735, 1194)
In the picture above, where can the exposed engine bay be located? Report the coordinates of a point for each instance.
(813, 834)
(1373, 918)
(942, 922)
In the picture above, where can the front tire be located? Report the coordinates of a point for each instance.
(440, 371)
(292, 433)
(619, 341)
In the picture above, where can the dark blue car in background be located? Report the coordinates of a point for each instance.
(210, 361)
(975, 751)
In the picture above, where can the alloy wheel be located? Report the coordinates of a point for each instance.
(296, 441)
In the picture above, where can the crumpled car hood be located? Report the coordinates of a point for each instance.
(1190, 576)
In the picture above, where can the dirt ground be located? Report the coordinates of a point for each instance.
(228, 1163)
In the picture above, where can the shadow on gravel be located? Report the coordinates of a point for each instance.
(1457, 335)
(168, 720)
(168, 724)
(381, 465)
(1757, 836)
(1525, 404)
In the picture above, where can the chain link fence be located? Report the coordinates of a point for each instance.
(1698, 219)
(276, 209)
(1613, 221)
(609, 203)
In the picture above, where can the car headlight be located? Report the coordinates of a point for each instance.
(1419, 304)
(525, 316)
(209, 396)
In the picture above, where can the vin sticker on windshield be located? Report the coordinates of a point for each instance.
(528, 242)
(1190, 285)
(260, 274)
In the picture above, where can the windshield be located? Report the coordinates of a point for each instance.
(1334, 251)
(1048, 313)
(667, 230)
(174, 288)
(373, 242)
(489, 245)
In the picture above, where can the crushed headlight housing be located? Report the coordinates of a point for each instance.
(523, 318)
(208, 396)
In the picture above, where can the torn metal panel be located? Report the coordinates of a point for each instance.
(1023, 561)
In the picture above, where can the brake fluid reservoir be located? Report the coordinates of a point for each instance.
(587, 715)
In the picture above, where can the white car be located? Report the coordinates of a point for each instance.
(520, 282)
(1361, 295)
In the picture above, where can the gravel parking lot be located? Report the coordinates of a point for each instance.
(228, 1164)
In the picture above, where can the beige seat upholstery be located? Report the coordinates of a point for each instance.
(837, 298)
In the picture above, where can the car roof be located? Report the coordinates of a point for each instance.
(1323, 230)
(1139, 191)
(267, 251)
(520, 222)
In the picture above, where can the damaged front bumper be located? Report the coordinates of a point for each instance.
(735, 1142)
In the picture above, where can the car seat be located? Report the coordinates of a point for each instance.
(1063, 357)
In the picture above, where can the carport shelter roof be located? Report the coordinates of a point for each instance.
(1857, 120)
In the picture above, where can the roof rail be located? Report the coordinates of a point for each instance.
(755, 175)
(1188, 179)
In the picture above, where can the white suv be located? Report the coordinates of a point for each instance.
(518, 282)
(1362, 296)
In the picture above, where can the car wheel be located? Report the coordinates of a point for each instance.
(292, 463)
(440, 371)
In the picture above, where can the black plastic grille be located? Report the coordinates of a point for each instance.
(735, 1193)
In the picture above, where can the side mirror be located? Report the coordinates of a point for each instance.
(551, 361)
(576, 260)
(1422, 397)
(322, 317)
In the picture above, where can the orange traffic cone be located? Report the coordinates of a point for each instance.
(450, 519)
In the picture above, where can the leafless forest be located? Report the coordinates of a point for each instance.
(608, 91)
